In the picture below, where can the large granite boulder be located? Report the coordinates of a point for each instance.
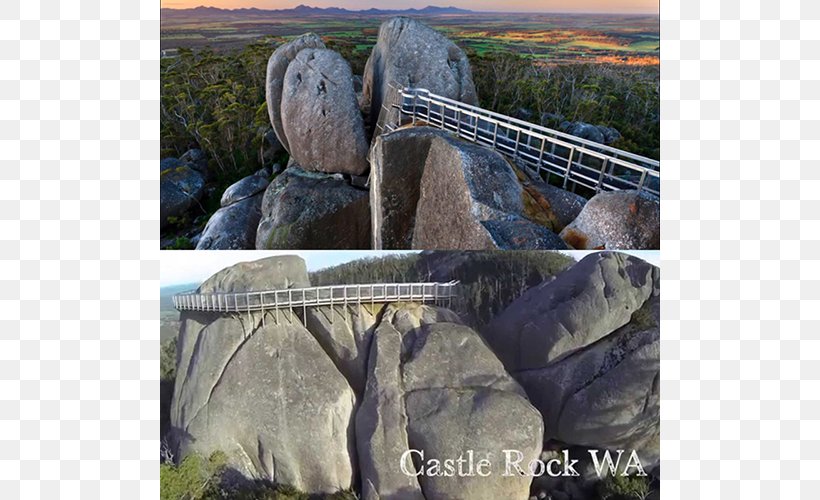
(585, 347)
(264, 393)
(426, 378)
(430, 190)
(233, 227)
(244, 188)
(305, 210)
(462, 185)
(606, 395)
(180, 189)
(471, 199)
(272, 273)
(275, 77)
(581, 305)
(410, 53)
(617, 220)
(320, 115)
(197, 160)
(381, 423)
(397, 163)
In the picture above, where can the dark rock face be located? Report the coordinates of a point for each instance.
(180, 189)
(243, 188)
(520, 234)
(409, 53)
(320, 115)
(264, 394)
(585, 347)
(233, 227)
(594, 133)
(397, 163)
(616, 220)
(303, 210)
(275, 77)
(197, 160)
(170, 163)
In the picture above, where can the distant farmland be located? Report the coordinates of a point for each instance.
(553, 38)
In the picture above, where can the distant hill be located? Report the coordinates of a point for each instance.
(301, 10)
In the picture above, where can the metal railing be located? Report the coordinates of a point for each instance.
(302, 298)
(545, 152)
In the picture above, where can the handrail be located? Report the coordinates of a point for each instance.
(544, 151)
(290, 298)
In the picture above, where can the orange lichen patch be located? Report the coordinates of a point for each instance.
(536, 207)
(575, 239)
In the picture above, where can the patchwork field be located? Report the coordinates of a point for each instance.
(553, 38)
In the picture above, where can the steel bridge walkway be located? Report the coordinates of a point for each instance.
(302, 298)
(544, 152)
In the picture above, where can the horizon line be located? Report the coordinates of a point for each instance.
(415, 8)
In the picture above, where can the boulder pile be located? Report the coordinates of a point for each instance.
(233, 226)
(353, 183)
(585, 347)
(335, 398)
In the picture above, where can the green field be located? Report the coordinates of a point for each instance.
(558, 38)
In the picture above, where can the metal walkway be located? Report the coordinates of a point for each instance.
(545, 152)
(302, 298)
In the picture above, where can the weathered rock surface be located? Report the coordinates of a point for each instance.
(409, 53)
(180, 189)
(275, 76)
(270, 400)
(397, 163)
(606, 395)
(430, 190)
(266, 396)
(271, 273)
(244, 188)
(197, 160)
(233, 227)
(426, 378)
(580, 306)
(381, 423)
(470, 199)
(344, 332)
(594, 133)
(170, 163)
(304, 210)
(463, 185)
(565, 205)
(515, 233)
(444, 389)
(585, 348)
(320, 115)
(628, 220)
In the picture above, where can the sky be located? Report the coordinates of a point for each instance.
(606, 6)
(184, 267)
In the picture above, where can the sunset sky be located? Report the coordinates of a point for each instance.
(625, 6)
